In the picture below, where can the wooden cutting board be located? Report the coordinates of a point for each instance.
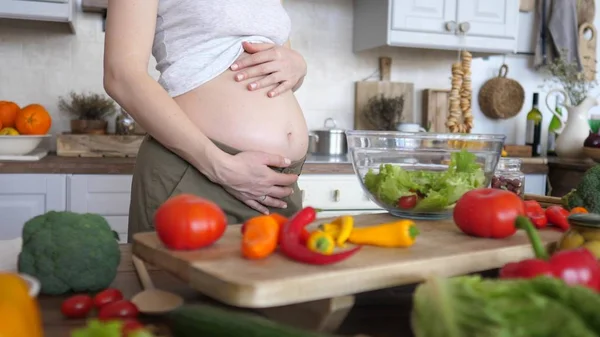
(365, 90)
(220, 271)
(435, 110)
(587, 50)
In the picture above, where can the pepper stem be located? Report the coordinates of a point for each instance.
(536, 242)
(413, 231)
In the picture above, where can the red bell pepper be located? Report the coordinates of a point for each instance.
(536, 213)
(290, 243)
(558, 217)
(575, 267)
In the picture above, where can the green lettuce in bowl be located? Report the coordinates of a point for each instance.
(434, 190)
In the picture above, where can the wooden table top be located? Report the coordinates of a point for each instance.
(221, 273)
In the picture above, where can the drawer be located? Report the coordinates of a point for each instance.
(334, 192)
(119, 224)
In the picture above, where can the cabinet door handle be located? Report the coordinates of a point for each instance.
(464, 27)
(451, 26)
(336, 195)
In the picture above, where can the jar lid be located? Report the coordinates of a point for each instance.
(585, 220)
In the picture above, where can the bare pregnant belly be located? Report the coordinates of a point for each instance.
(227, 112)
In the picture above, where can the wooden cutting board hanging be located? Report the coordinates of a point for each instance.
(365, 90)
(587, 50)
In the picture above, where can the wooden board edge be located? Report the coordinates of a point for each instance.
(274, 291)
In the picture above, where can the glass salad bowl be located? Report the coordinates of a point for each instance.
(422, 175)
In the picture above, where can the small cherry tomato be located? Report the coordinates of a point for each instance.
(407, 202)
(107, 296)
(131, 325)
(118, 309)
(77, 306)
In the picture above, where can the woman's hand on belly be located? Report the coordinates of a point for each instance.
(248, 177)
(277, 65)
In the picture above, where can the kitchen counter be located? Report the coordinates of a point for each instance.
(80, 165)
(105, 165)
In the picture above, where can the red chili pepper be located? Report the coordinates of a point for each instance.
(558, 217)
(536, 213)
(291, 246)
(577, 266)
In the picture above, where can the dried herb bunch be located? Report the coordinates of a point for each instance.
(384, 113)
(90, 106)
(568, 76)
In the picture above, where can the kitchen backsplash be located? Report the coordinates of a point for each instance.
(41, 65)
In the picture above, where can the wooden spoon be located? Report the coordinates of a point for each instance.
(152, 301)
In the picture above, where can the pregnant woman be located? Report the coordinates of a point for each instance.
(222, 120)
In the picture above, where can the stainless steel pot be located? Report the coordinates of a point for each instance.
(312, 142)
(330, 140)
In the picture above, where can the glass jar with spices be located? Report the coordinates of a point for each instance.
(584, 232)
(508, 176)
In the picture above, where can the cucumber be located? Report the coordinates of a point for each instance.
(211, 321)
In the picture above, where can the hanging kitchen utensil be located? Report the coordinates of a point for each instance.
(366, 90)
(501, 97)
(586, 11)
(587, 50)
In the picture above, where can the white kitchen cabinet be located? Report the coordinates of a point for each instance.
(105, 194)
(335, 193)
(476, 25)
(535, 184)
(61, 11)
(24, 196)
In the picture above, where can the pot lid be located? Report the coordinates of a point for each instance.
(585, 219)
(330, 126)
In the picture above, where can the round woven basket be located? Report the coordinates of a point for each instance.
(501, 97)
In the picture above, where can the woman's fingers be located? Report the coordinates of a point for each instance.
(257, 206)
(265, 82)
(253, 60)
(274, 202)
(256, 71)
(280, 191)
(282, 87)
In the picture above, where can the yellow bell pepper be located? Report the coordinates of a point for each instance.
(402, 233)
(19, 313)
(339, 229)
(321, 242)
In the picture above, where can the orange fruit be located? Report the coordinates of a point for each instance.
(33, 119)
(8, 113)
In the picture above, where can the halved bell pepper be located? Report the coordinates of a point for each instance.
(19, 312)
(321, 242)
(339, 229)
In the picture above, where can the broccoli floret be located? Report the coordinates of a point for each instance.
(69, 252)
(587, 192)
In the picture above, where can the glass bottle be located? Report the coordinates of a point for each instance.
(533, 131)
(508, 176)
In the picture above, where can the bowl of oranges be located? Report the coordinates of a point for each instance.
(22, 129)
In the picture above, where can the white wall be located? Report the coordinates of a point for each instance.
(40, 65)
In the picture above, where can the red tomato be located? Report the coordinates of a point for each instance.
(488, 213)
(107, 296)
(187, 222)
(77, 306)
(407, 202)
(130, 325)
(118, 309)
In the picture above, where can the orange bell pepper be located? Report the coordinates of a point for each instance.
(20, 314)
(260, 238)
